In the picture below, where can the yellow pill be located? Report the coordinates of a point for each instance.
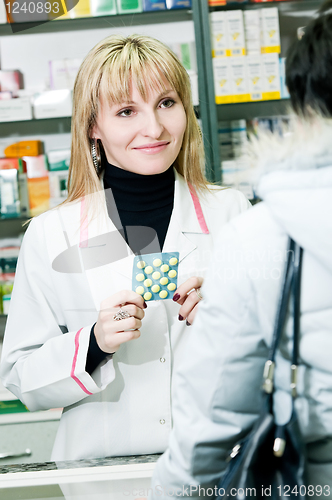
(155, 288)
(141, 264)
(164, 268)
(163, 294)
(157, 262)
(173, 261)
(156, 275)
(147, 295)
(149, 269)
(140, 290)
(140, 277)
(172, 273)
(164, 281)
(171, 287)
(148, 283)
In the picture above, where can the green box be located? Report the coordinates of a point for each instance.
(103, 7)
(129, 6)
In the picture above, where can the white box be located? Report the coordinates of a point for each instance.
(194, 86)
(53, 104)
(3, 13)
(255, 77)
(252, 31)
(271, 77)
(14, 110)
(270, 30)
(239, 79)
(63, 73)
(222, 80)
(235, 30)
(219, 35)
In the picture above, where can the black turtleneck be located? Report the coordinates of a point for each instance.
(141, 200)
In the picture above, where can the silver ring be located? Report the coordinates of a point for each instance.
(121, 315)
(198, 293)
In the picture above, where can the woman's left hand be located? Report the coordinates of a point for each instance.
(187, 295)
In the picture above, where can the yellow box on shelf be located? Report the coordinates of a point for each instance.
(235, 30)
(239, 79)
(222, 80)
(255, 78)
(219, 36)
(270, 31)
(271, 77)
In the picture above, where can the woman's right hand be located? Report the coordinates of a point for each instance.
(109, 333)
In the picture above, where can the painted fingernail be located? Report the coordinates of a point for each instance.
(176, 297)
(187, 323)
(180, 318)
(145, 305)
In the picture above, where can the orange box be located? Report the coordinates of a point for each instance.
(39, 195)
(24, 148)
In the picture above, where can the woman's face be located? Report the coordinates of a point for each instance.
(142, 137)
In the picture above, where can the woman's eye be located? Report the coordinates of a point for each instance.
(125, 112)
(168, 103)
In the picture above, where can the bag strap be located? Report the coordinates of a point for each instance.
(291, 285)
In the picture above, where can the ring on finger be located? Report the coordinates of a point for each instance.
(199, 293)
(121, 314)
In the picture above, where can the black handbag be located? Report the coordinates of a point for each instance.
(269, 462)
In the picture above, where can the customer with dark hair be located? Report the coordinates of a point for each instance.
(218, 384)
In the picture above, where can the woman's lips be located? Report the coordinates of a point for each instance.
(152, 149)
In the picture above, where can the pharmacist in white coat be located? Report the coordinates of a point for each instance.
(78, 337)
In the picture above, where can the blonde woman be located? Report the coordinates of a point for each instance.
(78, 335)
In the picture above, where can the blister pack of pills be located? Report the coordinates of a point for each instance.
(155, 275)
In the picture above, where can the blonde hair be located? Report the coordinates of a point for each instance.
(108, 70)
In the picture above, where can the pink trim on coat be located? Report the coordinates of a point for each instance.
(198, 210)
(72, 373)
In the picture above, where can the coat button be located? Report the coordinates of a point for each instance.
(162, 421)
(162, 360)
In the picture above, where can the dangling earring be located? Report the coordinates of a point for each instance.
(95, 154)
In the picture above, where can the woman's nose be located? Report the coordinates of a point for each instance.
(153, 126)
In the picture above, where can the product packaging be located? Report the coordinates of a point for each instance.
(103, 7)
(186, 52)
(39, 195)
(9, 194)
(11, 80)
(271, 77)
(283, 89)
(151, 5)
(219, 35)
(270, 30)
(252, 31)
(13, 110)
(222, 80)
(52, 104)
(235, 29)
(239, 137)
(63, 73)
(178, 4)
(6, 292)
(80, 9)
(129, 6)
(225, 140)
(216, 3)
(58, 180)
(239, 79)
(194, 86)
(36, 166)
(58, 159)
(24, 148)
(10, 163)
(255, 77)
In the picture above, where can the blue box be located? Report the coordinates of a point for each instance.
(152, 5)
(178, 4)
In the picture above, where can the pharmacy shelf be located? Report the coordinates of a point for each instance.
(250, 110)
(10, 228)
(59, 125)
(84, 23)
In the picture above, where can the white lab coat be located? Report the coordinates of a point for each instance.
(124, 408)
